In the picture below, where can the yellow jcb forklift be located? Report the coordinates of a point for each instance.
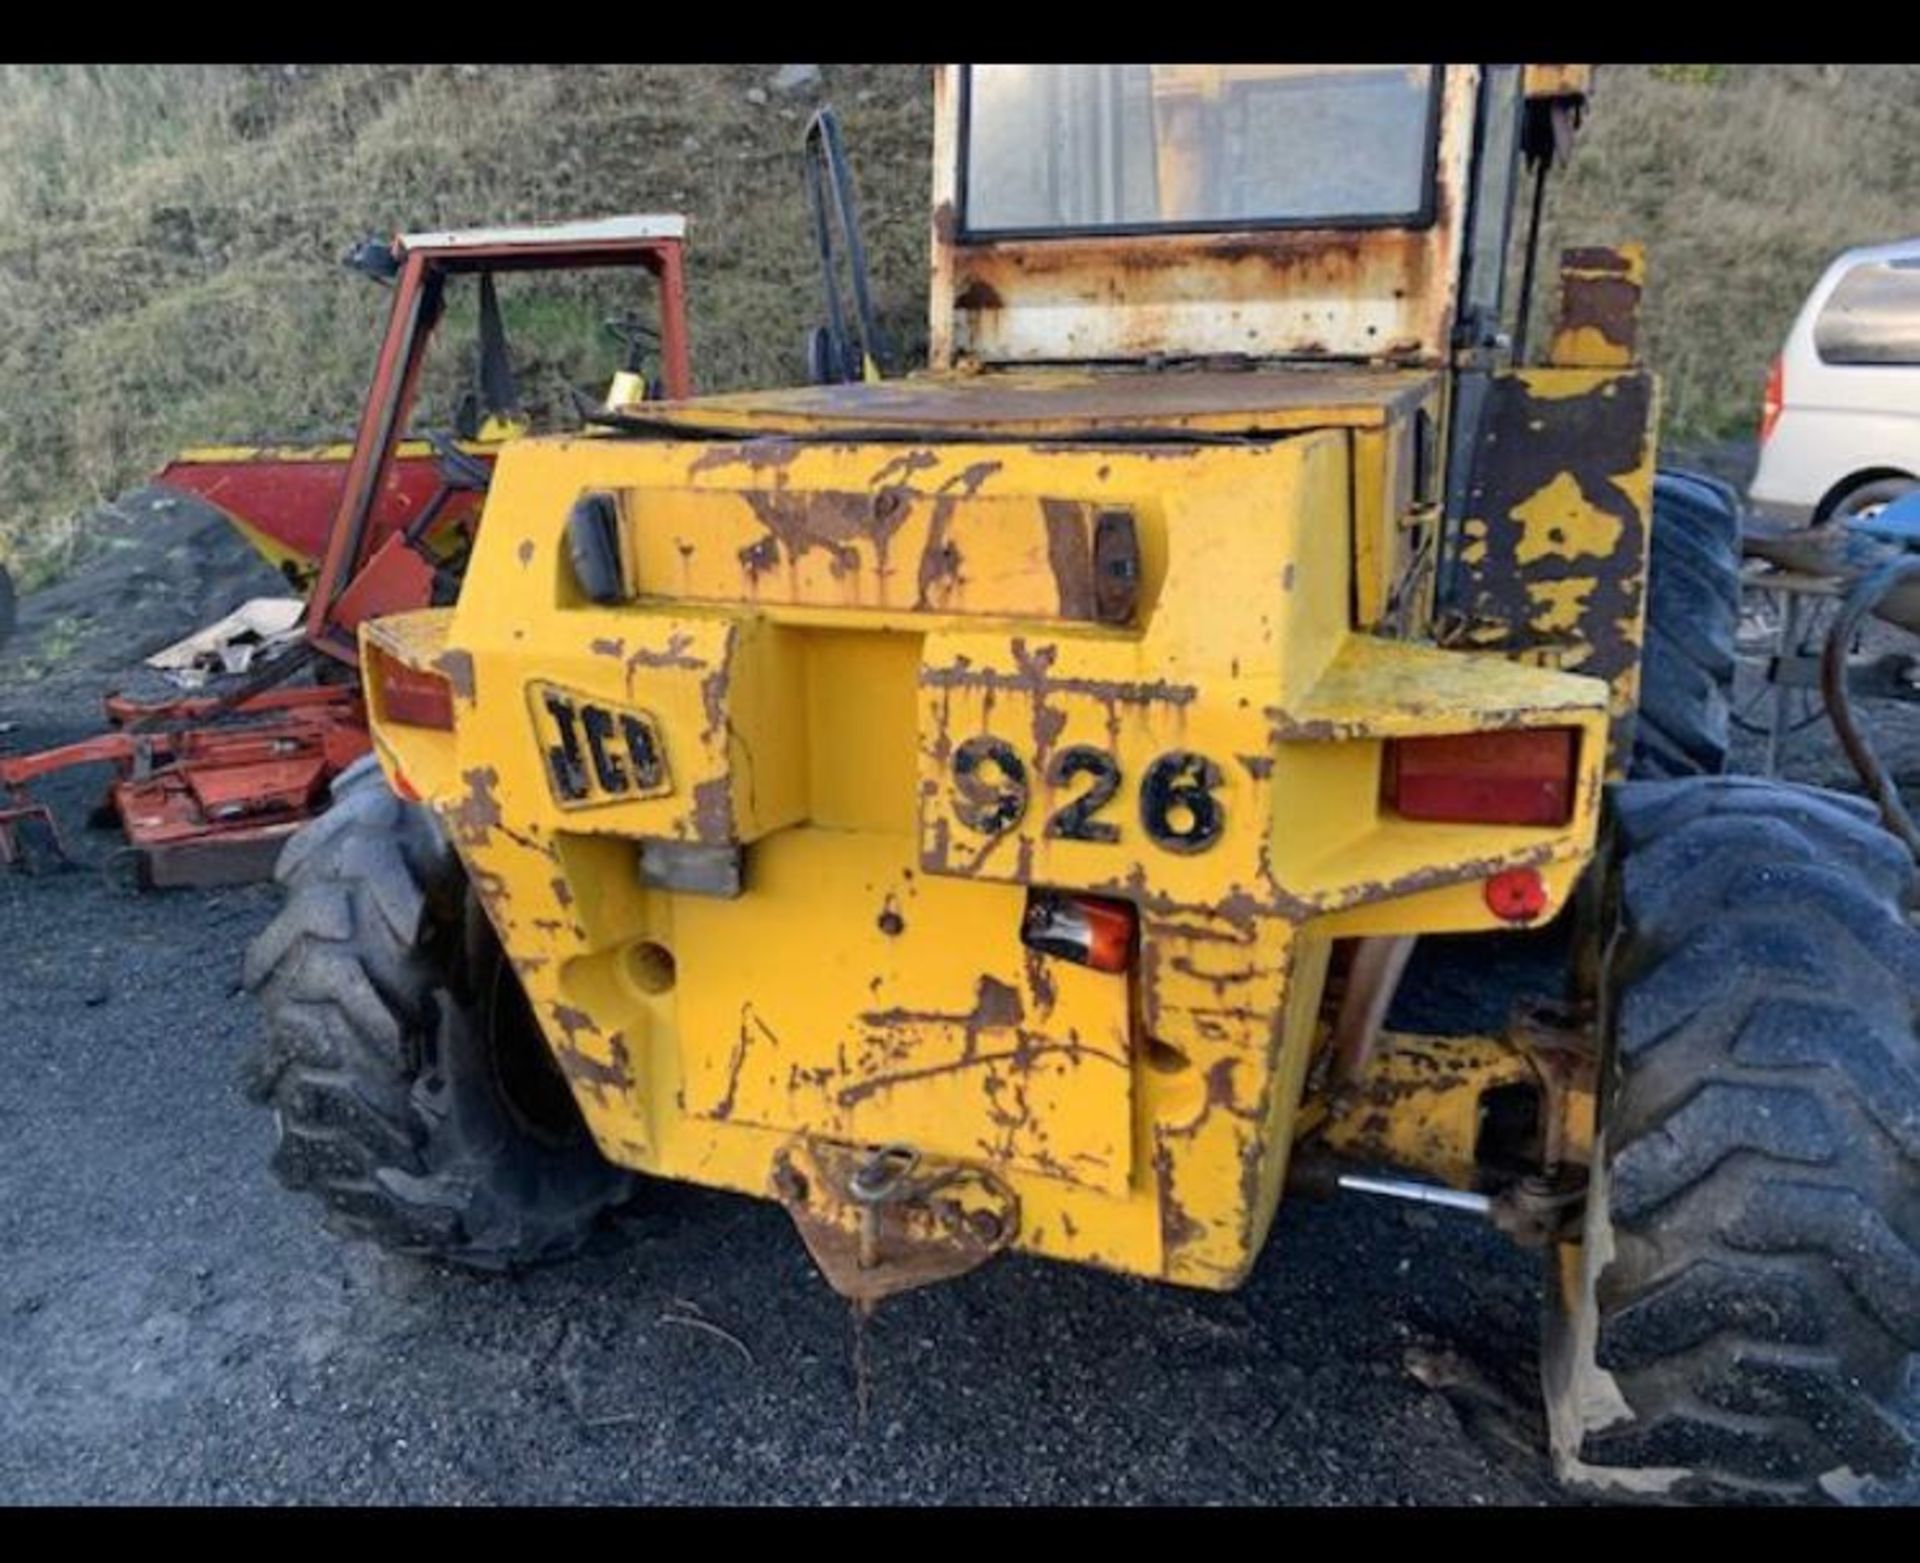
(991, 809)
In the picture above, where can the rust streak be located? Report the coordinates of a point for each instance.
(475, 816)
(724, 1107)
(1023, 1055)
(1069, 557)
(456, 667)
(759, 455)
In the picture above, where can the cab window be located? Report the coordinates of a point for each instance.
(1058, 149)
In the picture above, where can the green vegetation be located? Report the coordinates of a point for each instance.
(169, 235)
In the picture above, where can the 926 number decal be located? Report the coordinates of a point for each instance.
(1178, 804)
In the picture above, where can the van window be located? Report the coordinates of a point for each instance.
(1873, 317)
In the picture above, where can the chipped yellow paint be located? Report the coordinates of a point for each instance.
(869, 986)
(1597, 325)
(235, 454)
(1422, 1104)
(1552, 569)
(1586, 346)
(1558, 382)
(1419, 1106)
(1633, 262)
(1559, 521)
(242, 454)
(1558, 604)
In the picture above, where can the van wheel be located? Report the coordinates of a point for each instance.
(412, 1090)
(1742, 1315)
(1867, 499)
(1693, 614)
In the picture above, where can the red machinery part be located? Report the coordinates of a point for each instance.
(289, 498)
(409, 695)
(207, 804)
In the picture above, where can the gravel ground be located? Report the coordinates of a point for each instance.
(174, 1327)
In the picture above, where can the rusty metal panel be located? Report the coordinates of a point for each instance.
(1598, 326)
(896, 1031)
(885, 546)
(1558, 81)
(1549, 558)
(1379, 293)
(922, 410)
(281, 498)
(1420, 1105)
(232, 858)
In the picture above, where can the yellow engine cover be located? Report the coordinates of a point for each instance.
(893, 679)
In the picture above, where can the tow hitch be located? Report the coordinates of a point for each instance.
(881, 1221)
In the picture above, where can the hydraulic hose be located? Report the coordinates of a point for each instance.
(1861, 601)
(830, 189)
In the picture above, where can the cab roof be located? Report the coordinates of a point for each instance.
(595, 230)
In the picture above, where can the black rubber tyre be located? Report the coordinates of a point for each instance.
(1742, 1316)
(1693, 611)
(1866, 498)
(413, 1093)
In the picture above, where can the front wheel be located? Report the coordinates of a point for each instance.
(1742, 1315)
(413, 1092)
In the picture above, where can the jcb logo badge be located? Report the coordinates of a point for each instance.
(596, 753)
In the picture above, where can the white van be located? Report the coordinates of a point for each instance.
(1840, 425)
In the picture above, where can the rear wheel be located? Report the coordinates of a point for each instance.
(1693, 614)
(1742, 1316)
(413, 1092)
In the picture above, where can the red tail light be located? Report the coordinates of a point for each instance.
(409, 696)
(1774, 399)
(1080, 928)
(1516, 895)
(1524, 776)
